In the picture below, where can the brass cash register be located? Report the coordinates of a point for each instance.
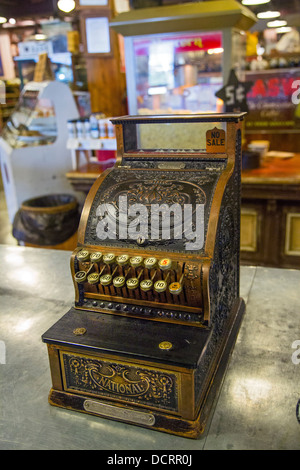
(156, 276)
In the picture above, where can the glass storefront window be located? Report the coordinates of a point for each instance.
(178, 72)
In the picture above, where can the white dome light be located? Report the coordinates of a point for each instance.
(255, 2)
(268, 14)
(276, 23)
(66, 5)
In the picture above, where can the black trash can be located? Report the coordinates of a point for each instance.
(250, 160)
(49, 221)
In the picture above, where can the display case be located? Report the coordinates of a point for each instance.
(32, 122)
(177, 57)
(178, 72)
(34, 158)
(61, 65)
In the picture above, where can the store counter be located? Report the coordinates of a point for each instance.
(256, 408)
(83, 178)
(270, 220)
(273, 171)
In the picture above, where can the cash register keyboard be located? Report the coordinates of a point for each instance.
(154, 288)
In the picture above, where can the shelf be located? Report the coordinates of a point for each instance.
(92, 144)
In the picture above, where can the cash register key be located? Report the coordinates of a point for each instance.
(109, 258)
(150, 262)
(96, 257)
(83, 255)
(105, 280)
(146, 285)
(136, 261)
(93, 278)
(132, 283)
(80, 277)
(119, 281)
(122, 260)
(175, 288)
(165, 264)
(160, 286)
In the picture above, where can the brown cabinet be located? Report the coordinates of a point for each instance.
(270, 214)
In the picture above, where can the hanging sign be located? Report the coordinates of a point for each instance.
(234, 94)
(273, 100)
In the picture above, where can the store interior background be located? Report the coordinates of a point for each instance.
(271, 202)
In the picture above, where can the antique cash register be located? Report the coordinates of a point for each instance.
(156, 277)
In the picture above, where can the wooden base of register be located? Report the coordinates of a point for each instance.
(165, 379)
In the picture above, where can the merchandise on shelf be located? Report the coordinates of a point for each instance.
(96, 126)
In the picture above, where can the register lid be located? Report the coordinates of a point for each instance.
(129, 338)
(161, 118)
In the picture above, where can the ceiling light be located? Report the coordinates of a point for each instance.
(3, 20)
(40, 37)
(268, 14)
(27, 23)
(276, 23)
(66, 5)
(12, 21)
(217, 50)
(283, 29)
(254, 2)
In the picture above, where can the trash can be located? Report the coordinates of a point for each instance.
(250, 160)
(49, 221)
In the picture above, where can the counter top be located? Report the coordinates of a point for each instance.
(90, 170)
(275, 170)
(256, 408)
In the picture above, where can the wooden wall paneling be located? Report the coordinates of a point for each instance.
(106, 79)
(107, 84)
(252, 229)
(249, 230)
(270, 233)
(290, 236)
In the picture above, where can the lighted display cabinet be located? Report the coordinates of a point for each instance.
(178, 56)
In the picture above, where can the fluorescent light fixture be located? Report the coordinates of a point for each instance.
(255, 2)
(276, 23)
(264, 15)
(40, 37)
(157, 90)
(283, 29)
(217, 50)
(27, 23)
(3, 19)
(66, 5)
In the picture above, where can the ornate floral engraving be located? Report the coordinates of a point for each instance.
(153, 187)
(127, 383)
(224, 271)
